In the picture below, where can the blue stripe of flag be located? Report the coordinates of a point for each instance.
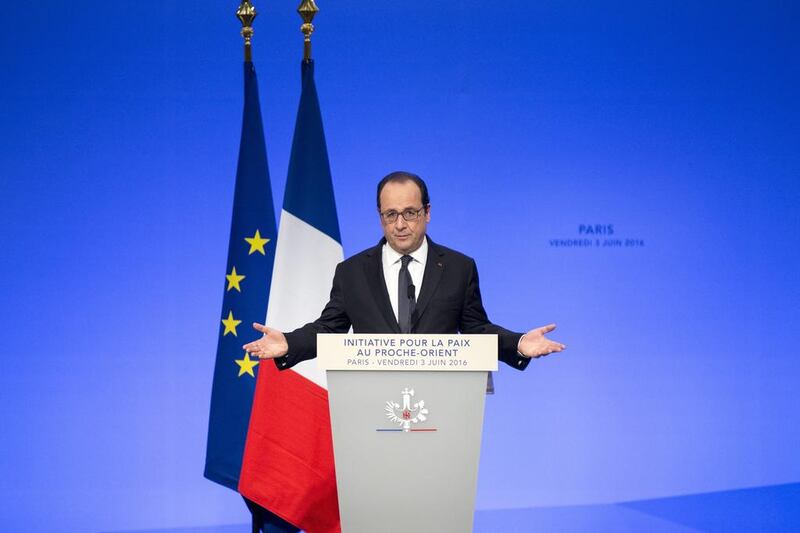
(309, 187)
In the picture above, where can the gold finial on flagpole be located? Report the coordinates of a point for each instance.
(308, 9)
(246, 14)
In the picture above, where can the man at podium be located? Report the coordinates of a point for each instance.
(405, 284)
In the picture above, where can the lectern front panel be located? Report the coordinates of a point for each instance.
(407, 446)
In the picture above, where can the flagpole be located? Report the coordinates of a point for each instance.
(307, 10)
(246, 14)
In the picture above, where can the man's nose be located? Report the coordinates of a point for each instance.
(400, 223)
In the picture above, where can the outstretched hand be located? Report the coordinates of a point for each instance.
(534, 343)
(271, 345)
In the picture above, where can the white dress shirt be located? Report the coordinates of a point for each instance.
(391, 269)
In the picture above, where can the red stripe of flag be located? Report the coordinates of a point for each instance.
(288, 463)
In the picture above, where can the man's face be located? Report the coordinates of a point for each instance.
(404, 236)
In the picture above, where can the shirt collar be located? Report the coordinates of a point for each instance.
(419, 255)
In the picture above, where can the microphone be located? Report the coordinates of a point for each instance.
(412, 292)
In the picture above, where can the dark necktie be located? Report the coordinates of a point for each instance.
(406, 299)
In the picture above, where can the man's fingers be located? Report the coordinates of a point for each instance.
(265, 347)
(259, 352)
(261, 327)
(251, 347)
(556, 346)
(546, 329)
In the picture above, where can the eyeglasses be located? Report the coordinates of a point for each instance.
(390, 217)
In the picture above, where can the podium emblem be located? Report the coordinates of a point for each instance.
(408, 413)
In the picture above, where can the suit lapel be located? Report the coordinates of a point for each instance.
(373, 268)
(434, 268)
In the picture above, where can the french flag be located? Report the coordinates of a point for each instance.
(288, 463)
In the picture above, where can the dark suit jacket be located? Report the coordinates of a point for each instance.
(449, 302)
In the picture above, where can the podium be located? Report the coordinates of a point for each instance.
(406, 416)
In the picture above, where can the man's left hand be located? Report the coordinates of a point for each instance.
(534, 343)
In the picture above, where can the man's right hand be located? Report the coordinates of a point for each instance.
(273, 344)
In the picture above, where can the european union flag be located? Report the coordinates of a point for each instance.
(251, 253)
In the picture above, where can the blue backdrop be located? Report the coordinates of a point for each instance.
(627, 170)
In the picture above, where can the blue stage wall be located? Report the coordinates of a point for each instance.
(626, 170)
